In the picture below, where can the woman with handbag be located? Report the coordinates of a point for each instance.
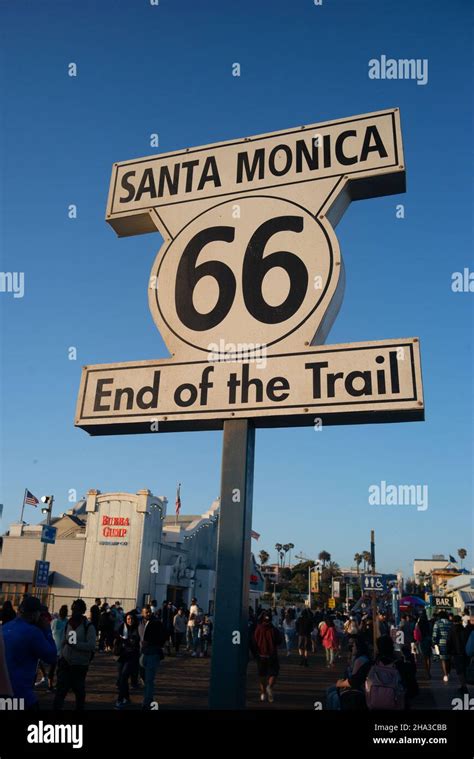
(127, 649)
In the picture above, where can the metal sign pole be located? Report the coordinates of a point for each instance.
(230, 639)
(375, 624)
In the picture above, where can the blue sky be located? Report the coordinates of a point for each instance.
(168, 69)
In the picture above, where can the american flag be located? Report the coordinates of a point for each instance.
(30, 499)
(255, 535)
(178, 499)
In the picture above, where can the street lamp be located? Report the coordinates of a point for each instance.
(47, 509)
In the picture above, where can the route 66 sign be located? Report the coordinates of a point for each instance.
(250, 254)
(248, 282)
(254, 270)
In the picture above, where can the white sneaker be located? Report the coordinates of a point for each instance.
(262, 696)
(446, 678)
(43, 681)
(270, 694)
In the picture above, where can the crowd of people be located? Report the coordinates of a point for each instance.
(38, 649)
(380, 676)
(55, 651)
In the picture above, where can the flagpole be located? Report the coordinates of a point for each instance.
(23, 507)
(178, 497)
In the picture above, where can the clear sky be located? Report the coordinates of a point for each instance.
(167, 69)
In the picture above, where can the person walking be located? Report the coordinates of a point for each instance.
(456, 647)
(179, 626)
(94, 614)
(106, 628)
(441, 629)
(152, 639)
(192, 634)
(169, 627)
(267, 638)
(289, 631)
(27, 638)
(407, 626)
(422, 638)
(329, 641)
(205, 632)
(127, 649)
(77, 650)
(304, 626)
(58, 627)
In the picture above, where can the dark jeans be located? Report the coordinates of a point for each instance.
(126, 669)
(52, 671)
(71, 677)
(178, 639)
(150, 663)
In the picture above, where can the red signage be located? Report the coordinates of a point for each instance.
(115, 527)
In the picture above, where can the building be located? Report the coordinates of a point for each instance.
(461, 590)
(441, 577)
(426, 566)
(120, 546)
(271, 574)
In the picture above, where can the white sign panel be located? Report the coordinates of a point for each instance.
(250, 254)
(351, 383)
(248, 282)
(366, 147)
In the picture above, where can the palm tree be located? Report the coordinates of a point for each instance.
(367, 558)
(332, 569)
(462, 553)
(263, 556)
(278, 547)
(358, 560)
(324, 556)
(290, 546)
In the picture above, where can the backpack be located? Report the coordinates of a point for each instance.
(86, 624)
(383, 687)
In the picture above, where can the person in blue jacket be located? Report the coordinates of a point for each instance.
(27, 639)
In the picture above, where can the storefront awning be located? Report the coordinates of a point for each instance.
(16, 575)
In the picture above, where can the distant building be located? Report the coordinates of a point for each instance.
(426, 566)
(440, 578)
(271, 573)
(120, 546)
(461, 590)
